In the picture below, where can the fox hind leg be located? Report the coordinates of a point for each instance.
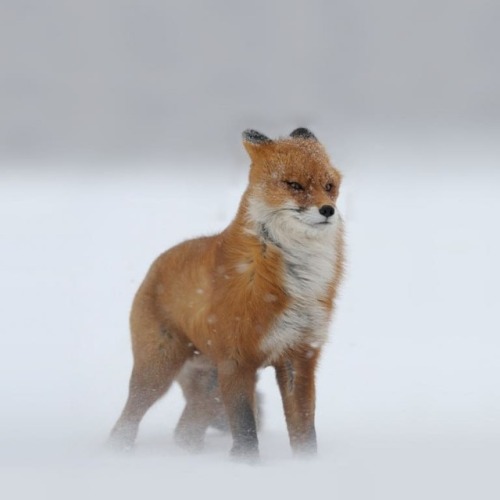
(204, 407)
(158, 357)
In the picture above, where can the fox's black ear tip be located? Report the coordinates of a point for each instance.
(254, 137)
(303, 133)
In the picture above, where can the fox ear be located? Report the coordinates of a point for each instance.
(253, 141)
(303, 133)
(254, 137)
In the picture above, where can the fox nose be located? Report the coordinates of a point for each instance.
(327, 210)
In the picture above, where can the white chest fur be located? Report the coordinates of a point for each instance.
(310, 263)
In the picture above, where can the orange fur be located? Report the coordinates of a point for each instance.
(220, 298)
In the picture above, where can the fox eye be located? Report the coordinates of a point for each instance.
(329, 187)
(295, 185)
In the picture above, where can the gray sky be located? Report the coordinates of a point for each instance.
(111, 79)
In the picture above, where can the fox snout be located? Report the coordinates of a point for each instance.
(327, 210)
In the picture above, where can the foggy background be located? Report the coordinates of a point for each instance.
(120, 136)
(152, 80)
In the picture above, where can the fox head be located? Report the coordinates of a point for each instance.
(293, 187)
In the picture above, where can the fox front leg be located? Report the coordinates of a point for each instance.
(296, 381)
(237, 387)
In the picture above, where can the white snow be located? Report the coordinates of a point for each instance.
(242, 267)
(270, 297)
(408, 385)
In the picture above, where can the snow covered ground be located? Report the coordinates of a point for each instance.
(408, 387)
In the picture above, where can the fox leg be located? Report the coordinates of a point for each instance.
(204, 407)
(296, 381)
(237, 385)
(158, 356)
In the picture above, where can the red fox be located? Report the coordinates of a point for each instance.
(261, 293)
